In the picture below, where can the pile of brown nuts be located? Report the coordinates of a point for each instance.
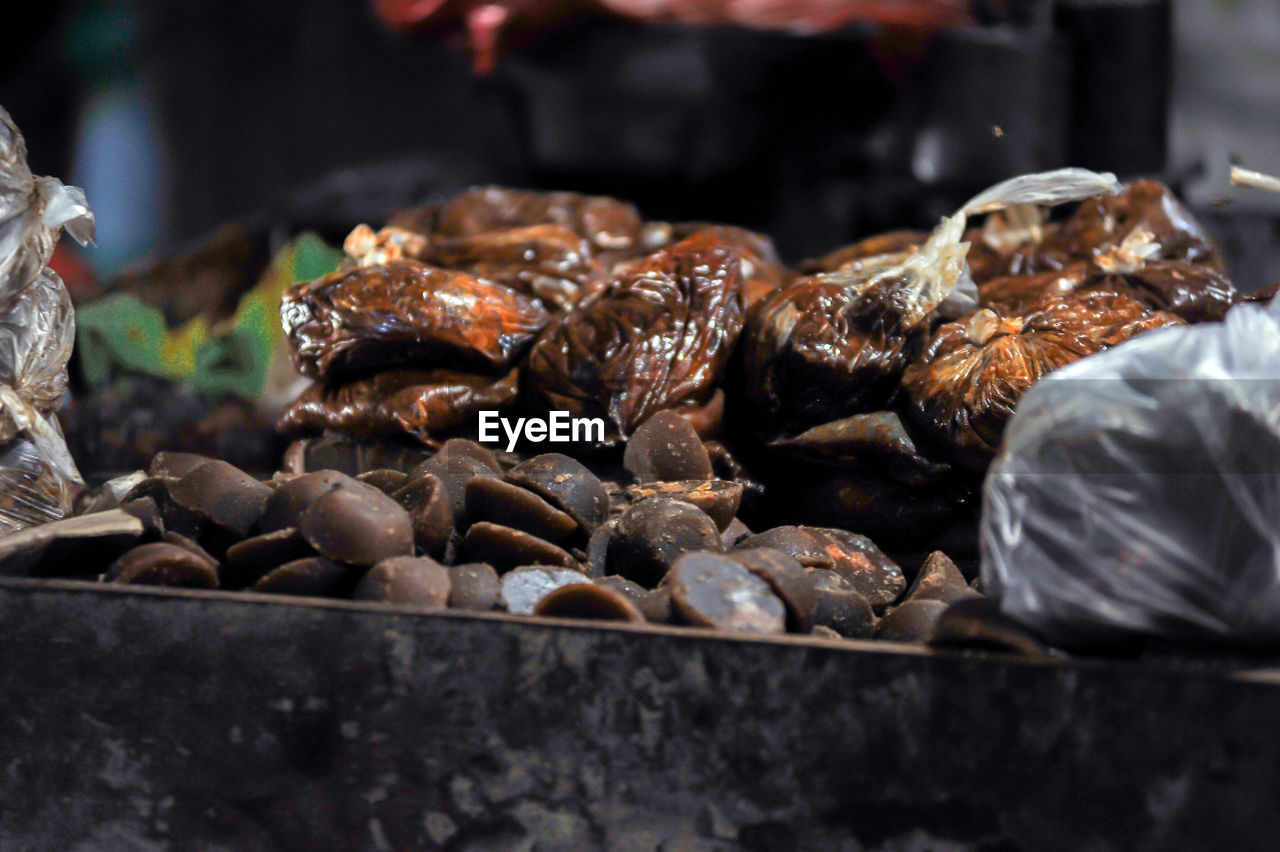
(465, 529)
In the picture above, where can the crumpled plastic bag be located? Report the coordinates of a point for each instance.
(37, 331)
(1137, 494)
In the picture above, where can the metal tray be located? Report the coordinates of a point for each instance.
(159, 719)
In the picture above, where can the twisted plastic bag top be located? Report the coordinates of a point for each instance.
(33, 212)
(37, 331)
(1137, 493)
(932, 274)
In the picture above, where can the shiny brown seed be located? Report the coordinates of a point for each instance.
(501, 502)
(471, 449)
(431, 511)
(313, 576)
(505, 548)
(566, 484)
(796, 542)
(719, 498)
(250, 560)
(223, 494)
(407, 580)
(789, 581)
(177, 465)
(289, 498)
(524, 586)
(587, 601)
(913, 621)
(666, 448)
(872, 573)
(474, 585)
(939, 580)
(358, 526)
(384, 479)
(454, 473)
(713, 590)
(977, 623)
(163, 564)
(841, 607)
(653, 533)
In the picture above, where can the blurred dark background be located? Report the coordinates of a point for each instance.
(179, 117)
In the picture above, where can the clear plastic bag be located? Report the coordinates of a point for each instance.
(37, 331)
(1137, 493)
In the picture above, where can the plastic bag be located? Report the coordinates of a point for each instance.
(834, 344)
(37, 330)
(1137, 493)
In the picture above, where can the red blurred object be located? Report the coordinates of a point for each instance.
(489, 24)
(78, 275)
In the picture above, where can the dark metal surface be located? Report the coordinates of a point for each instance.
(156, 720)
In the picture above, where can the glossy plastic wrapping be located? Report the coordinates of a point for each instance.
(965, 386)
(658, 335)
(406, 314)
(37, 331)
(1137, 491)
(1020, 240)
(835, 344)
(421, 404)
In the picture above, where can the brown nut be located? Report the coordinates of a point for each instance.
(566, 484)
(313, 576)
(913, 621)
(653, 533)
(223, 494)
(719, 498)
(501, 502)
(505, 548)
(290, 498)
(666, 448)
(714, 590)
(163, 564)
(408, 580)
(358, 526)
(841, 607)
(473, 585)
(587, 601)
(250, 560)
(429, 508)
(789, 581)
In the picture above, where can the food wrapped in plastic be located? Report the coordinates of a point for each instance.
(1102, 223)
(37, 330)
(835, 344)
(965, 386)
(402, 314)
(549, 262)
(762, 270)
(607, 223)
(871, 251)
(421, 404)
(1020, 240)
(1137, 491)
(657, 335)
(1196, 292)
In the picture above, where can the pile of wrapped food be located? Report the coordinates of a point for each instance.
(779, 449)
